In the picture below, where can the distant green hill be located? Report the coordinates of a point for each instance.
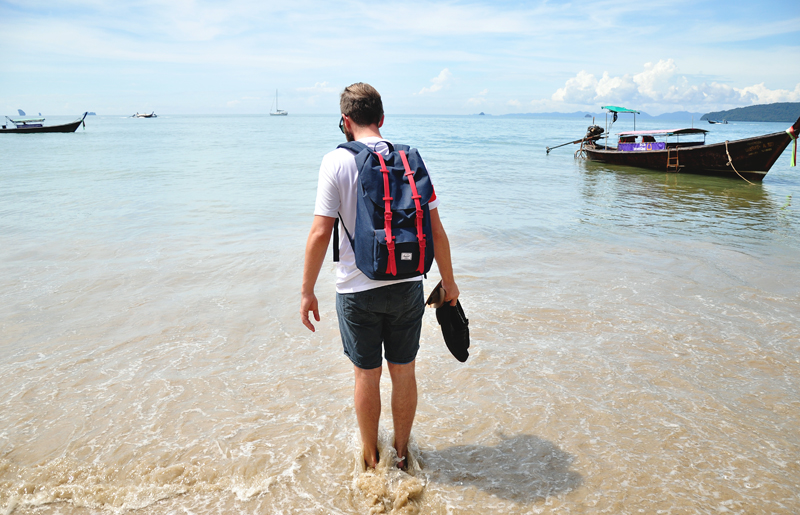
(779, 112)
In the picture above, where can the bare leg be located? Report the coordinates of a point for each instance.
(368, 410)
(404, 404)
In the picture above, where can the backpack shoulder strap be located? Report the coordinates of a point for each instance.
(336, 240)
(357, 147)
(336, 236)
(353, 146)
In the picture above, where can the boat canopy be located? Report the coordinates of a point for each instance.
(664, 132)
(25, 120)
(615, 109)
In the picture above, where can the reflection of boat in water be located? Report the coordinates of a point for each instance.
(34, 125)
(278, 112)
(689, 204)
(145, 115)
(750, 158)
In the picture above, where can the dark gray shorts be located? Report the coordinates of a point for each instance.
(389, 315)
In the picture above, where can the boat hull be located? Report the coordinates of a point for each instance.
(752, 158)
(66, 127)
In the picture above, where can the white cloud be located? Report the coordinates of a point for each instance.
(660, 87)
(515, 103)
(768, 96)
(616, 89)
(580, 89)
(655, 78)
(320, 87)
(479, 99)
(233, 103)
(439, 82)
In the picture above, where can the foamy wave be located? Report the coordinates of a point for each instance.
(112, 490)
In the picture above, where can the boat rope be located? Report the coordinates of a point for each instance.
(790, 132)
(581, 152)
(730, 163)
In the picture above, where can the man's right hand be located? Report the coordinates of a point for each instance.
(309, 303)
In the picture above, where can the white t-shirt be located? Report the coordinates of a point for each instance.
(336, 196)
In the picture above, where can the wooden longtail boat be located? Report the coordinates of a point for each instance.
(749, 158)
(25, 127)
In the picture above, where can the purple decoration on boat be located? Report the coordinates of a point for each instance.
(638, 147)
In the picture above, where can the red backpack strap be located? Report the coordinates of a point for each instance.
(391, 268)
(416, 197)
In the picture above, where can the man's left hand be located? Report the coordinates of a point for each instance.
(309, 303)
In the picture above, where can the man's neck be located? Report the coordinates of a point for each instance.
(370, 131)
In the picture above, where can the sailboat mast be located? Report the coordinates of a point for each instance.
(278, 111)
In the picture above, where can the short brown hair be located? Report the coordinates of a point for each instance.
(362, 104)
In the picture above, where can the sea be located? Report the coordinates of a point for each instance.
(635, 335)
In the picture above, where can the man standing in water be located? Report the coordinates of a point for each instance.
(372, 314)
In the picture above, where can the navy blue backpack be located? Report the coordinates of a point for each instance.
(392, 237)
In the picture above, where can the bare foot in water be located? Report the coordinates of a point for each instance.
(374, 463)
(402, 464)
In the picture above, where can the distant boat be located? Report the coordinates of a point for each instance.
(749, 158)
(278, 112)
(724, 122)
(31, 125)
(145, 115)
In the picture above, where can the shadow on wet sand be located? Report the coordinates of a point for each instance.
(522, 468)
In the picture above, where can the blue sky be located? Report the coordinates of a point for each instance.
(445, 57)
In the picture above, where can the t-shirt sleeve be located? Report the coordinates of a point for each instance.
(328, 200)
(434, 202)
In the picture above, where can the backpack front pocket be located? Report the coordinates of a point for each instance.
(406, 253)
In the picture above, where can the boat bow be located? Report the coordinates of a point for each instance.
(793, 131)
